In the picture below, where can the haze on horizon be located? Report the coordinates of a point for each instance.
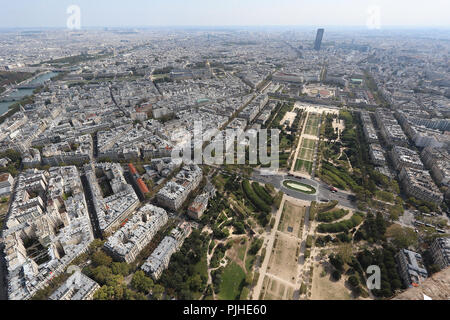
(142, 13)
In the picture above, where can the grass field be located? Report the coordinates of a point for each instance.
(241, 251)
(305, 157)
(237, 254)
(312, 125)
(202, 268)
(303, 166)
(232, 278)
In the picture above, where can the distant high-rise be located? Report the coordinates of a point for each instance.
(319, 38)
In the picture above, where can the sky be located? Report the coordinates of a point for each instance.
(140, 13)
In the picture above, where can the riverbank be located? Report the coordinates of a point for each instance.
(19, 96)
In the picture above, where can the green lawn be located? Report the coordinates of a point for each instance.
(312, 124)
(298, 165)
(307, 150)
(303, 166)
(249, 260)
(241, 251)
(308, 166)
(301, 187)
(232, 277)
(201, 267)
(303, 153)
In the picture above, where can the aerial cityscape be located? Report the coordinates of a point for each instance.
(231, 162)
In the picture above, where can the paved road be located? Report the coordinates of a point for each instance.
(91, 208)
(323, 191)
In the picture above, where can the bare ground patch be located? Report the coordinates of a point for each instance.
(283, 261)
(325, 288)
(292, 219)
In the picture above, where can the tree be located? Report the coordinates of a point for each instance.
(256, 245)
(402, 237)
(353, 281)
(244, 293)
(239, 227)
(424, 209)
(380, 224)
(141, 282)
(104, 293)
(336, 275)
(132, 295)
(95, 244)
(396, 283)
(121, 268)
(113, 290)
(157, 292)
(114, 280)
(101, 259)
(303, 288)
(249, 278)
(101, 274)
(337, 262)
(195, 283)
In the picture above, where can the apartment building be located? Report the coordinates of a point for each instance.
(390, 129)
(377, 154)
(176, 191)
(369, 130)
(438, 162)
(160, 258)
(77, 287)
(126, 243)
(419, 184)
(6, 184)
(411, 268)
(440, 251)
(405, 158)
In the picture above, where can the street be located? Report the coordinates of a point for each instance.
(323, 191)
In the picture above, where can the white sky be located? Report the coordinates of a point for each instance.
(52, 13)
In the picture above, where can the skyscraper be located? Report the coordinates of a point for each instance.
(319, 38)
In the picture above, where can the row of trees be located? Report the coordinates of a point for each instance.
(262, 193)
(343, 177)
(259, 204)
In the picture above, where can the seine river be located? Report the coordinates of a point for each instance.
(20, 93)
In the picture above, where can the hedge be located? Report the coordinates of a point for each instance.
(335, 180)
(344, 176)
(262, 193)
(251, 195)
(342, 226)
(331, 216)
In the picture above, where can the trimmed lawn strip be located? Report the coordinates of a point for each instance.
(288, 184)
